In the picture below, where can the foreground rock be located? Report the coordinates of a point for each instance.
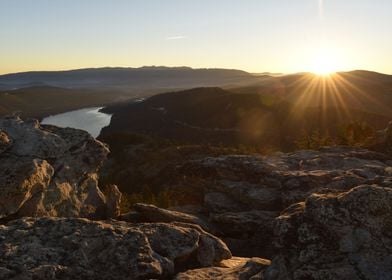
(69, 248)
(344, 236)
(51, 171)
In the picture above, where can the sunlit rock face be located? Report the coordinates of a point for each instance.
(50, 171)
(71, 248)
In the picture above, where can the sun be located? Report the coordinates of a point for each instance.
(325, 62)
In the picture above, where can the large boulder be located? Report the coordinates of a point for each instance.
(74, 248)
(343, 236)
(50, 171)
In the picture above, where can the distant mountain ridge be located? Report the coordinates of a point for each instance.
(127, 78)
(162, 77)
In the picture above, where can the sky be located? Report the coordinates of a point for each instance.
(281, 36)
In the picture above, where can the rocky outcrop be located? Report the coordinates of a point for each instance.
(317, 214)
(244, 194)
(344, 236)
(72, 248)
(275, 182)
(51, 171)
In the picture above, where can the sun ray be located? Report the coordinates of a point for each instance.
(355, 90)
(338, 100)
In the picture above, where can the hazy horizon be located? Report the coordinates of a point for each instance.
(257, 36)
(179, 66)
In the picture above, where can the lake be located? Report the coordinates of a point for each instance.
(88, 119)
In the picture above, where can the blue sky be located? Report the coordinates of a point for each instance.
(253, 35)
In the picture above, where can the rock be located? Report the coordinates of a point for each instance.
(233, 269)
(113, 201)
(246, 233)
(151, 213)
(304, 171)
(244, 223)
(336, 236)
(74, 248)
(237, 187)
(192, 209)
(5, 141)
(50, 171)
(254, 196)
(21, 181)
(243, 183)
(131, 217)
(217, 202)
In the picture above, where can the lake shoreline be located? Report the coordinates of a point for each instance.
(90, 119)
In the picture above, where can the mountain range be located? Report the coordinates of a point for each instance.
(126, 79)
(41, 93)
